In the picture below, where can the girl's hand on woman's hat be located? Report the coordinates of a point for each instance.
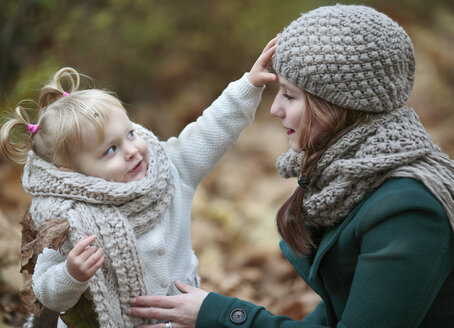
(260, 73)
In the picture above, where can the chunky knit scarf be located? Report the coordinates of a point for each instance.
(393, 144)
(117, 213)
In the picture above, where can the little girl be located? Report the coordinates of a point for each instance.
(126, 195)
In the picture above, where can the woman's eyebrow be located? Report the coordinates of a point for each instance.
(284, 83)
(289, 86)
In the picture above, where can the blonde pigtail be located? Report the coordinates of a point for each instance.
(64, 82)
(16, 136)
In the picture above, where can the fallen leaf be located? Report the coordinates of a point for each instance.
(52, 234)
(29, 299)
(27, 250)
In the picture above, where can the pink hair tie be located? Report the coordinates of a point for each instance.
(64, 94)
(32, 128)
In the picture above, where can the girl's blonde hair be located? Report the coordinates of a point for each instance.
(322, 124)
(62, 114)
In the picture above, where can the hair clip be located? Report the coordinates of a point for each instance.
(32, 128)
(303, 182)
(64, 94)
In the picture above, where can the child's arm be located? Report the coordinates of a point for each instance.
(202, 143)
(53, 284)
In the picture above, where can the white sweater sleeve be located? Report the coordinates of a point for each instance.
(202, 143)
(54, 287)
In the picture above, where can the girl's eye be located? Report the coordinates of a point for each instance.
(287, 96)
(131, 134)
(111, 150)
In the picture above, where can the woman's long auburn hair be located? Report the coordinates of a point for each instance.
(322, 123)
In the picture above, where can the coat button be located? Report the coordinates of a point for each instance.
(238, 316)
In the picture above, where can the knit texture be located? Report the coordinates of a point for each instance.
(351, 56)
(391, 145)
(117, 213)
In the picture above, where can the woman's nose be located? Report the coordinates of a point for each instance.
(276, 109)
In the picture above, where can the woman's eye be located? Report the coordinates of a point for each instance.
(287, 96)
(131, 134)
(111, 150)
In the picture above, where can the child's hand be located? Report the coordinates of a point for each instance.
(84, 260)
(260, 73)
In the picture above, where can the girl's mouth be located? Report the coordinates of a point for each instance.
(137, 168)
(290, 132)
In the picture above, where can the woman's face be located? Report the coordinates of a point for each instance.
(289, 106)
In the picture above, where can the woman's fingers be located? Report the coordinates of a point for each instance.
(185, 288)
(157, 325)
(158, 313)
(164, 301)
(181, 310)
(155, 301)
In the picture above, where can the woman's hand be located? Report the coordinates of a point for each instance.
(181, 310)
(260, 73)
(84, 260)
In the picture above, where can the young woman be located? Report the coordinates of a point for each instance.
(370, 226)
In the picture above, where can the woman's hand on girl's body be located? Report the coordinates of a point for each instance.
(260, 72)
(84, 260)
(181, 310)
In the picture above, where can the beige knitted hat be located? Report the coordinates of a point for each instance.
(352, 56)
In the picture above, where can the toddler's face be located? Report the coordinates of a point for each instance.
(121, 157)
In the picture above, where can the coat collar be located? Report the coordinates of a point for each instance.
(308, 266)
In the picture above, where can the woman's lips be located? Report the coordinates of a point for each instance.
(290, 132)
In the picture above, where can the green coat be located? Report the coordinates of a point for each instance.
(389, 264)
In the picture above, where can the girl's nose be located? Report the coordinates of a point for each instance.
(130, 151)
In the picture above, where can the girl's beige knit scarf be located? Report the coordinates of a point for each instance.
(117, 213)
(393, 144)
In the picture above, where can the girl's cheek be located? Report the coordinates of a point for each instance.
(144, 149)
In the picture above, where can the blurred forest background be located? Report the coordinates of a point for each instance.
(168, 60)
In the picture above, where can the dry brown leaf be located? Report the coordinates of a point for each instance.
(28, 236)
(29, 299)
(52, 234)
